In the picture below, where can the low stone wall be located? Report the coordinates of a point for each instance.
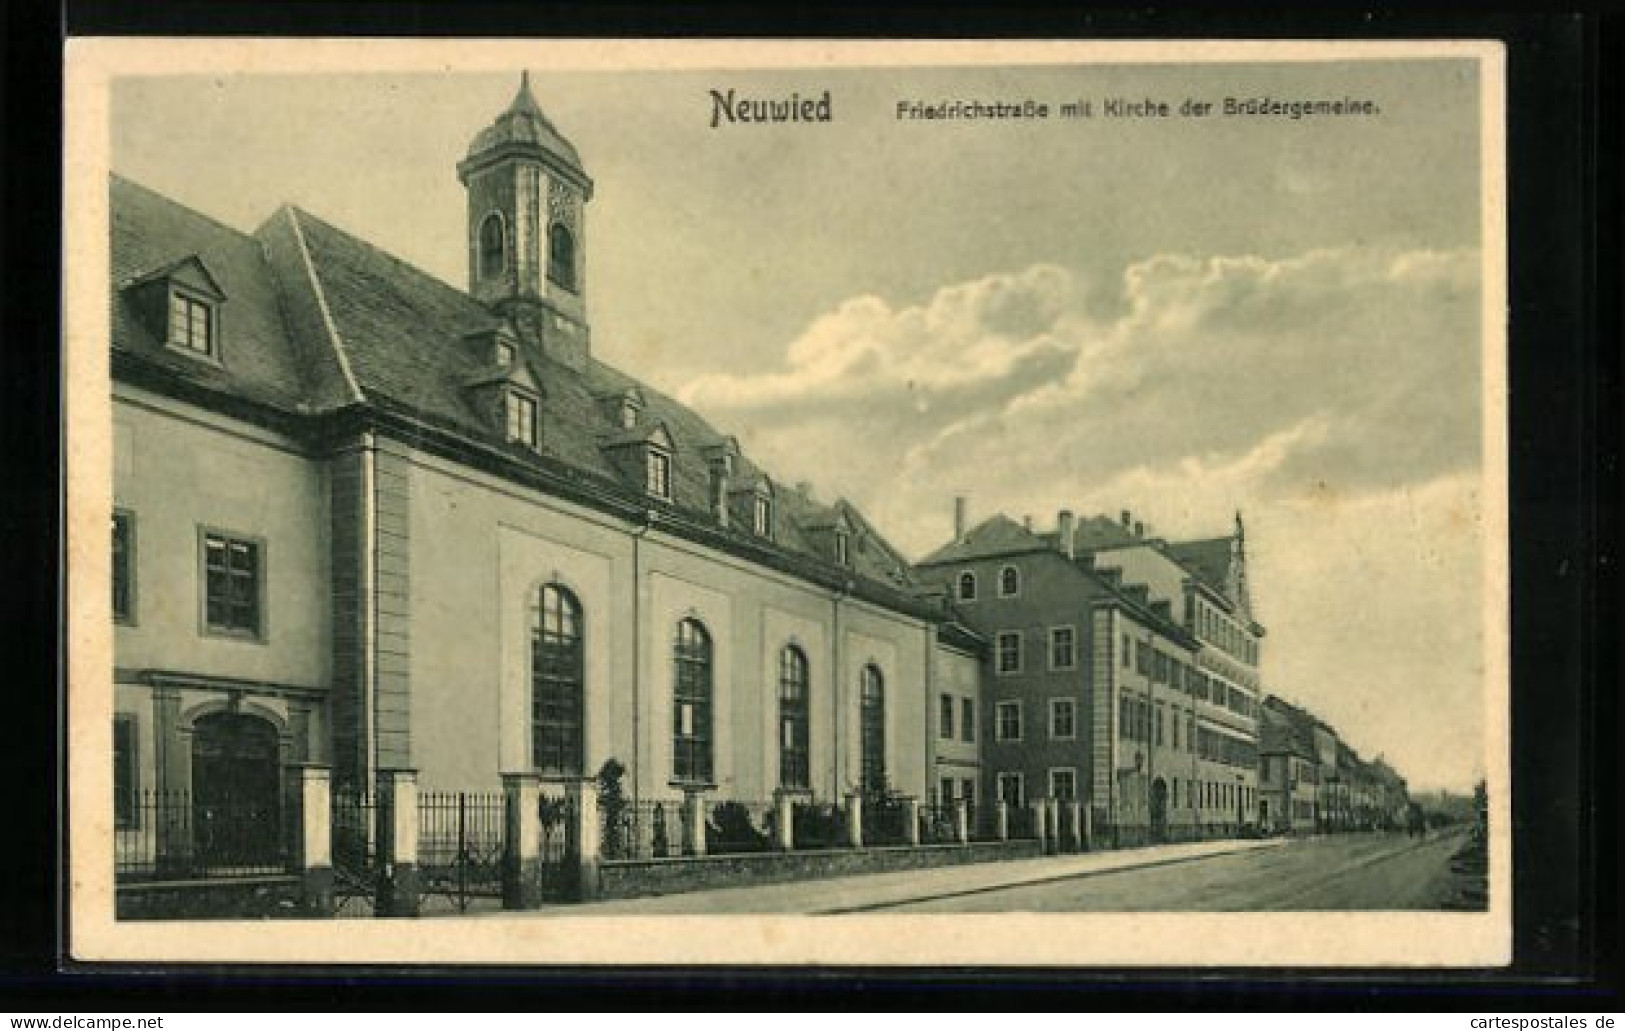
(637, 878)
(251, 898)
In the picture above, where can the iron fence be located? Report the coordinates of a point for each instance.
(1021, 823)
(461, 840)
(644, 829)
(355, 852)
(733, 827)
(939, 824)
(817, 825)
(175, 835)
(885, 822)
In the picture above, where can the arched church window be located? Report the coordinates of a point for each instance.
(493, 247)
(691, 698)
(557, 676)
(561, 256)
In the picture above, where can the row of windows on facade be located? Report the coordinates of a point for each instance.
(561, 252)
(233, 604)
(966, 708)
(233, 580)
(521, 415)
(1063, 649)
(558, 691)
(1191, 794)
(1185, 678)
(1138, 720)
(1213, 626)
(1008, 720)
(1289, 768)
(1009, 584)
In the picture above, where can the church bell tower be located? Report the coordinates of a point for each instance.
(527, 199)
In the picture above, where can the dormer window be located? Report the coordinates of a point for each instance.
(629, 414)
(659, 474)
(843, 554)
(520, 410)
(191, 324)
(504, 355)
(762, 516)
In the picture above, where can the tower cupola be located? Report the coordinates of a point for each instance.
(527, 197)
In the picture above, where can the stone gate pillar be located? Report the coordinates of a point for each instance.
(784, 822)
(522, 841)
(587, 836)
(854, 821)
(399, 885)
(310, 836)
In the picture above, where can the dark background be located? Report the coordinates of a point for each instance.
(1563, 137)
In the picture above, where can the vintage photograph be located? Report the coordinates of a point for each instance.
(557, 490)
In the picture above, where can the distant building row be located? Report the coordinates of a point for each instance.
(1122, 670)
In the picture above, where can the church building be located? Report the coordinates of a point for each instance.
(372, 520)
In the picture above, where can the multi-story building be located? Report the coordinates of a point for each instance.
(368, 518)
(1203, 585)
(956, 764)
(1288, 780)
(1094, 689)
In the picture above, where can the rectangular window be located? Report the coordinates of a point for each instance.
(232, 584)
(1126, 650)
(1062, 648)
(1010, 651)
(125, 779)
(967, 789)
(762, 517)
(967, 719)
(1011, 790)
(1142, 657)
(521, 419)
(123, 567)
(190, 327)
(1159, 723)
(945, 791)
(1177, 722)
(1009, 721)
(945, 717)
(1063, 784)
(1061, 722)
(659, 474)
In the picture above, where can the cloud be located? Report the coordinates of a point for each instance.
(1332, 396)
(1335, 372)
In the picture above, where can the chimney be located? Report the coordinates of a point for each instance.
(1066, 531)
(1126, 517)
(959, 517)
(1139, 528)
(721, 464)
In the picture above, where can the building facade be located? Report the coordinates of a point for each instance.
(368, 519)
(1094, 684)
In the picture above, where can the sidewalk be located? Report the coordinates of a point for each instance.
(862, 892)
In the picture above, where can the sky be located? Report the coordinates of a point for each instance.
(1183, 317)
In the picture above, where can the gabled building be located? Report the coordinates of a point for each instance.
(1094, 688)
(370, 519)
(1288, 777)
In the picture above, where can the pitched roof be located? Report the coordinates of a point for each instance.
(1208, 559)
(152, 237)
(316, 318)
(999, 535)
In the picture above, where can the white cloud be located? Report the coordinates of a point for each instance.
(1333, 396)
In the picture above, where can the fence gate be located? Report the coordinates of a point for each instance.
(355, 853)
(559, 848)
(460, 848)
